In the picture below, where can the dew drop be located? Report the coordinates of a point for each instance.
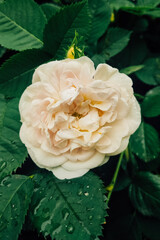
(51, 197)
(86, 194)
(80, 192)
(70, 228)
(88, 186)
(12, 160)
(65, 213)
(90, 217)
(13, 205)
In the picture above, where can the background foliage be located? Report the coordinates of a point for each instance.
(125, 34)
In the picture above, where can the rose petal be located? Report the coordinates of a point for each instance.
(62, 173)
(92, 162)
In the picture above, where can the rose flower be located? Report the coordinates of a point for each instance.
(74, 117)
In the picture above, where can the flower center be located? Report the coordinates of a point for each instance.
(75, 114)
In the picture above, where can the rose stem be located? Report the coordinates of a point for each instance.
(110, 187)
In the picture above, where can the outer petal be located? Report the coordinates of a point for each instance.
(45, 159)
(134, 116)
(62, 173)
(123, 146)
(93, 162)
(111, 142)
(112, 76)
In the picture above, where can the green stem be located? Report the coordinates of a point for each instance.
(113, 182)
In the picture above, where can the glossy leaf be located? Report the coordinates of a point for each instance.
(60, 30)
(150, 3)
(145, 194)
(15, 196)
(16, 73)
(21, 29)
(12, 151)
(117, 4)
(150, 74)
(49, 9)
(67, 209)
(151, 103)
(100, 15)
(116, 40)
(145, 142)
(131, 69)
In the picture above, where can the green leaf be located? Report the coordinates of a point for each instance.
(49, 9)
(145, 194)
(100, 15)
(151, 103)
(21, 24)
(117, 4)
(134, 54)
(67, 209)
(131, 69)
(148, 3)
(140, 11)
(15, 195)
(16, 73)
(116, 40)
(60, 30)
(12, 151)
(145, 142)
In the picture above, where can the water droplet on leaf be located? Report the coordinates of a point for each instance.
(65, 213)
(86, 194)
(80, 192)
(70, 228)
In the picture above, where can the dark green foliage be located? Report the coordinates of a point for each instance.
(76, 209)
(115, 41)
(131, 69)
(100, 12)
(13, 152)
(151, 103)
(144, 194)
(67, 21)
(15, 196)
(143, 140)
(150, 227)
(21, 29)
(150, 74)
(67, 209)
(49, 9)
(21, 67)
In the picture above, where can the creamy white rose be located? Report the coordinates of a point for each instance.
(74, 117)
